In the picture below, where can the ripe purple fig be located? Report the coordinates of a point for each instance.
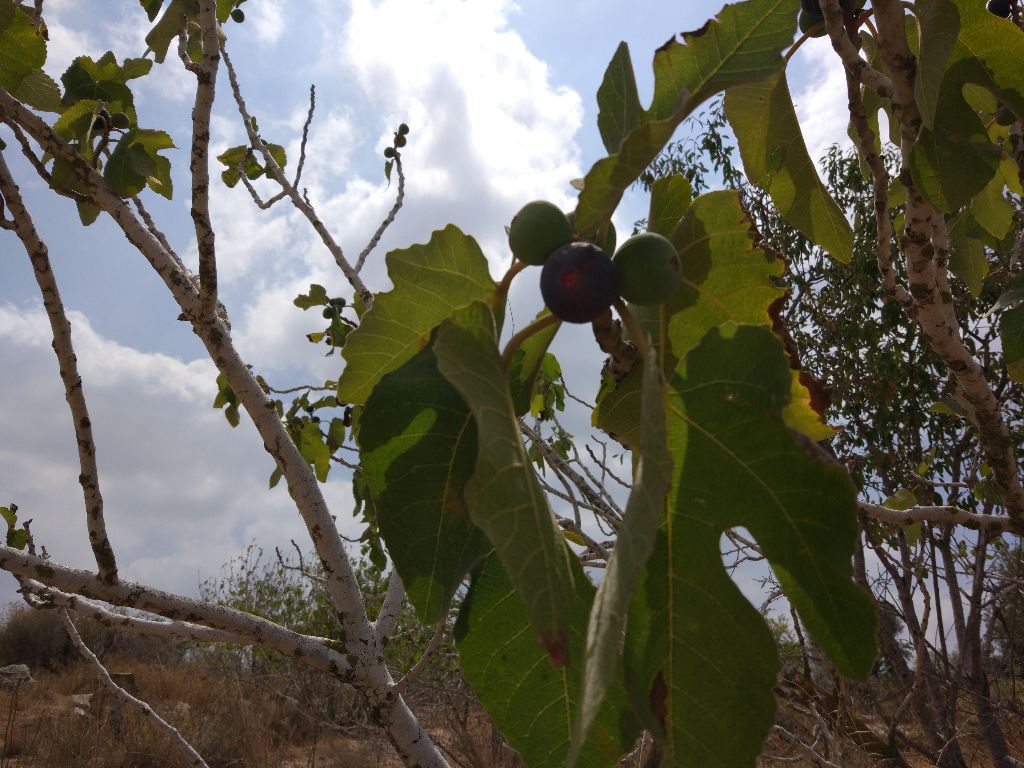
(1000, 8)
(578, 282)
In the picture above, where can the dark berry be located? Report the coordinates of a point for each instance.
(578, 282)
(1000, 8)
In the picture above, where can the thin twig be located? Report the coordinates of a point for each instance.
(169, 730)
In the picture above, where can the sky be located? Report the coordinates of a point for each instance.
(500, 99)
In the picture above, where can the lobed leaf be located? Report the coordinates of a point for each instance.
(38, 90)
(418, 443)
(742, 44)
(430, 282)
(531, 703)
(645, 511)
(22, 49)
(619, 109)
(775, 158)
(504, 496)
(705, 663)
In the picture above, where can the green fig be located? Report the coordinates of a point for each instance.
(538, 229)
(647, 269)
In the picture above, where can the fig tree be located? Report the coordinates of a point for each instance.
(537, 230)
(578, 282)
(647, 269)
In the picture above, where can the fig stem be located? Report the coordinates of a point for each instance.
(517, 340)
(639, 337)
(501, 293)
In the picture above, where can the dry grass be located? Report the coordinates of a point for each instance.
(233, 718)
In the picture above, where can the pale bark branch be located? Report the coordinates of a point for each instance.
(312, 651)
(941, 515)
(858, 68)
(384, 626)
(275, 172)
(389, 219)
(199, 166)
(147, 711)
(67, 363)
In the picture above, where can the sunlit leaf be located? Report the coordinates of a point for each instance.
(775, 158)
(743, 43)
(430, 282)
(619, 109)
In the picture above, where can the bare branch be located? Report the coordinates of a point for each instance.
(67, 363)
(425, 659)
(384, 626)
(389, 219)
(939, 515)
(275, 172)
(147, 711)
(310, 650)
(199, 166)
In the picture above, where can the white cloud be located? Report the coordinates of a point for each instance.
(266, 19)
(489, 131)
(821, 104)
(183, 491)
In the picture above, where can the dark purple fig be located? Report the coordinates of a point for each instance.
(578, 282)
(1000, 8)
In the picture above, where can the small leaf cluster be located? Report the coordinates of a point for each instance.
(17, 537)
(244, 159)
(178, 12)
(337, 331)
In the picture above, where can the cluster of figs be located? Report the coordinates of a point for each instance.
(578, 279)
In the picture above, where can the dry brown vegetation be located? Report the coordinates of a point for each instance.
(241, 712)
